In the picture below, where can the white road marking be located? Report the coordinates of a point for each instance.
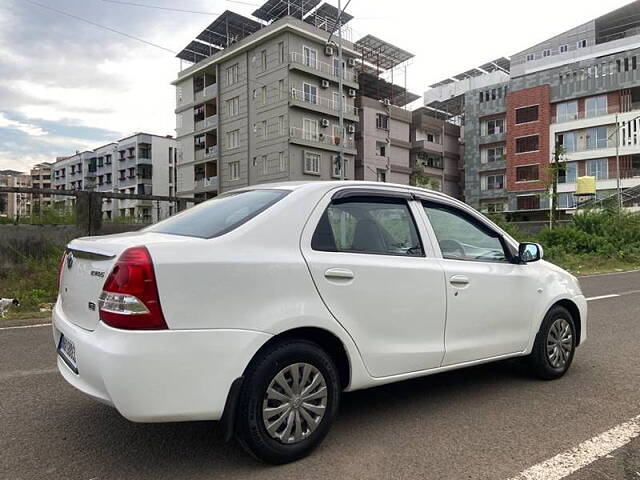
(610, 273)
(16, 327)
(27, 373)
(572, 460)
(601, 297)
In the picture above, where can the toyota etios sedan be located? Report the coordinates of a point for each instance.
(259, 307)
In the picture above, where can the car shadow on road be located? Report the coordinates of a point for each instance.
(185, 450)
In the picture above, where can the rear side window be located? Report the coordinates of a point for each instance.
(220, 215)
(374, 225)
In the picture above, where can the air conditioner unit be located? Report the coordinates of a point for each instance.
(324, 123)
(321, 137)
(386, 102)
(352, 92)
(351, 62)
(351, 129)
(324, 84)
(328, 50)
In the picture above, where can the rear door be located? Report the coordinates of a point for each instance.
(491, 301)
(378, 279)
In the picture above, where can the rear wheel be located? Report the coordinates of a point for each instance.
(554, 346)
(289, 398)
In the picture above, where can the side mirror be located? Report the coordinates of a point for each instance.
(530, 252)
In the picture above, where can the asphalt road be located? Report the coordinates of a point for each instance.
(489, 422)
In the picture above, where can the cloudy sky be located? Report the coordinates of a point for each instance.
(66, 85)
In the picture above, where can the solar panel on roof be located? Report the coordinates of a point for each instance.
(275, 9)
(326, 18)
(446, 81)
(379, 52)
(373, 86)
(197, 51)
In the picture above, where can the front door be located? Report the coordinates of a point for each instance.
(490, 300)
(370, 268)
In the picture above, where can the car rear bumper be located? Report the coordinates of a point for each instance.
(157, 376)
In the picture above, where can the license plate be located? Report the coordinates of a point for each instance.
(67, 351)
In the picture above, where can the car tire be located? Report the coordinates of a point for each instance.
(554, 346)
(273, 395)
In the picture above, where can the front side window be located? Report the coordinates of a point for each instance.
(219, 215)
(462, 237)
(368, 224)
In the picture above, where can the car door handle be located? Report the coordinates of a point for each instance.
(459, 280)
(342, 273)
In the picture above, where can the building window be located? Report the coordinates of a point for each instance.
(528, 202)
(336, 166)
(232, 139)
(233, 106)
(527, 144)
(493, 126)
(263, 95)
(567, 141)
(581, 43)
(232, 74)
(492, 182)
(281, 164)
(569, 173)
(382, 121)
(234, 170)
(310, 93)
(381, 149)
(310, 129)
(492, 207)
(263, 60)
(280, 88)
(598, 168)
(566, 200)
(265, 165)
(529, 173)
(492, 154)
(310, 57)
(281, 52)
(597, 138)
(527, 114)
(281, 125)
(263, 129)
(595, 106)
(567, 111)
(564, 48)
(546, 52)
(312, 163)
(531, 57)
(381, 175)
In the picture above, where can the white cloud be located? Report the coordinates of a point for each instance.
(28, 128)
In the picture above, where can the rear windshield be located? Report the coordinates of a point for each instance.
(220, 215)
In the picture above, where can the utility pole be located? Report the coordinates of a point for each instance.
(340, 89)
(618, 187)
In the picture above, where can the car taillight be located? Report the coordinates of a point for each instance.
(60, 267)
(129, 298)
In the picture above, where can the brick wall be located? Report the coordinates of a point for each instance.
(540, 96)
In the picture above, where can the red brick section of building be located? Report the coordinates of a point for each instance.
(526, 98)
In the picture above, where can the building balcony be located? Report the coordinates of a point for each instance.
(206, 184)
(207, 92)
(208, 152)
(206, 123)
(305, 63)
(323, 105)
(320, 140)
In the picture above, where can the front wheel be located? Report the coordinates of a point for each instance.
(289, 398)
(554, 346)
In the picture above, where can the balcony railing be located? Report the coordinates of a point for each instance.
(319, 137)
(329, 103)
(593, 113)
(208, 122)
(326, 68)
(207, 182)
(207, 91)
(207, 152)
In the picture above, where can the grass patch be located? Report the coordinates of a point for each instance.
(33, 281)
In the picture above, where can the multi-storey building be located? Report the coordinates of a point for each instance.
(40, 178)
(14, 205)
(579, 91)
(263, 108)
(436, 153)
(141, 164)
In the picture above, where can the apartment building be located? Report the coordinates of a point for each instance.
(141, 164)
(41, 179)
(579, 90)
(436, 147)
(263, 108)
(14, 205)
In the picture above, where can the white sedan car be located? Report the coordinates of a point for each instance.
(259, 307)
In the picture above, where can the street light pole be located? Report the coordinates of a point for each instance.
(618, 187)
